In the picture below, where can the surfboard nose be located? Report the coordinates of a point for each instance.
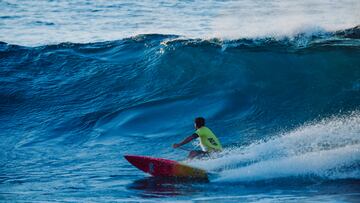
(137, 161)
(129, 157)
(132, 159)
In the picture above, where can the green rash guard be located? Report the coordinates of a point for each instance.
(208, 141)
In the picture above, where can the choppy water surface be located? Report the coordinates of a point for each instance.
(284, 101)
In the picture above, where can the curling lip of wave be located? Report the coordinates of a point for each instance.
(301, 39)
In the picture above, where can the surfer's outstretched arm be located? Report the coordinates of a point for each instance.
(186, 140)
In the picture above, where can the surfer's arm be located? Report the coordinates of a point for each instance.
(186, 140)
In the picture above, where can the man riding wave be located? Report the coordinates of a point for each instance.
(208, 141)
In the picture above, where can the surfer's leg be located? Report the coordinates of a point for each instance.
(195, 153)
(192, 154)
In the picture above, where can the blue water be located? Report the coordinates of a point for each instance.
(286, 107)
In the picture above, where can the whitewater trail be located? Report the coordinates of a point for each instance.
(328, 149)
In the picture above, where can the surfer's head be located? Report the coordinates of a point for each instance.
(199, 122)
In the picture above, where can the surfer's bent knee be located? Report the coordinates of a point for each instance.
(195, 153)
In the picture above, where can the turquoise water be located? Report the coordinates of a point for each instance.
(285, 105)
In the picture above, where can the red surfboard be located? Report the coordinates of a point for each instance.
(159, 167)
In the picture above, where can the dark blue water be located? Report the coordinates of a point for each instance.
(287, 112)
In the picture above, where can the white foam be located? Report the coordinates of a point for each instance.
(249, 19)
(329, 148)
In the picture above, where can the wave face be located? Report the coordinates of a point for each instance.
(285, 110)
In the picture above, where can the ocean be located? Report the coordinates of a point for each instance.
(85, 82)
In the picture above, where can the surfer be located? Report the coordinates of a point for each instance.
(208, 141)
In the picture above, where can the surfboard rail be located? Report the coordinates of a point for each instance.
(160, 167)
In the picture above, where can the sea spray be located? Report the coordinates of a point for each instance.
(329, 149)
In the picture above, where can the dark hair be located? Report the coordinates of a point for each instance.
(200, 122)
